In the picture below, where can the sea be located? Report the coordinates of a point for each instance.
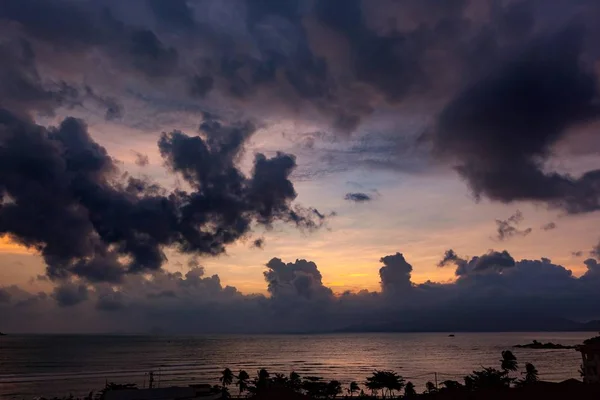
(60, 365)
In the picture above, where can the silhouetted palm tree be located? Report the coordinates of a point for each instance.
(263, 379)
(451, 385)
(509, 361)
(374, 384)
(409, 390)
(314, 386)
(280, 379)
(488, 378)
(242, 381)
(382, 380)
(354, 388)
(392, 382)
(430, 387)
(226, 377)
(334, 388)
(295, 382)
(531, 375)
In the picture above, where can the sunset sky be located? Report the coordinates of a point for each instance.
(396, 126)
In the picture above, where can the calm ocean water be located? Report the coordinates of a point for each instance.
(50, 365)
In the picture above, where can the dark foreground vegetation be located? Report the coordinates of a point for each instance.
(539, 345)
(487, 383)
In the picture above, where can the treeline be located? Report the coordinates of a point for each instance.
(384, 384)
(381, 384)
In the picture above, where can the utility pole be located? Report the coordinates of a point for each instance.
(151, 380)
(435, 375)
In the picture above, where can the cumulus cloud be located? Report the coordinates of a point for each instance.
(491, 261)
(4, 296)
(320, 60)
(395, 274)
(520, 294)
(593, 268)
(301, 278)
(312, 57)
(98, 226)
(506, 82)
(69, 294)
(500, 130)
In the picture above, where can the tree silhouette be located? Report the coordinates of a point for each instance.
(488, 378)
(280, 380)
(226, 377)
(262, 379)
(531, 375)
(430, 387)
(385, 380)
(509, 361)
(295, 382)
(373, 384)
(409, 390)
(334, 388)
(116, 386)
(354, 388)
(451, 385)
(314, 386)
(242, 381)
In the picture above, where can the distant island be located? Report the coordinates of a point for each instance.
(538, 345)
(2, 334)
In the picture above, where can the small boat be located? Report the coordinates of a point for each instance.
(451, 335)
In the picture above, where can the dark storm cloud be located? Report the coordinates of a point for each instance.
(527, 294)
(450, 257)
(593, 268)
(83, 26)
(70, 294)
(595, 252)
(549, 226)
(200, 86)
(110, 300)
(491, 261)
(176, 14)
(162, 294)
(501, 129)
(301, 278)
(395, 274)
(92, 219)
(259, 243)
(390, 62)
(22, 88)
(275, 53)
(4, 296)
(507, 228)
(114, 110)
(358, 197)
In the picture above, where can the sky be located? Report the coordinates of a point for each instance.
(298, 165)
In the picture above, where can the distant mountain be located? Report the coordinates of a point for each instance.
(477, 322)
(592, 326)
